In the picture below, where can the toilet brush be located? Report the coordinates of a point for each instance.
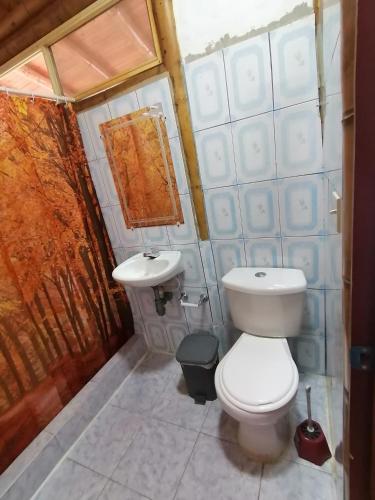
(309, 438)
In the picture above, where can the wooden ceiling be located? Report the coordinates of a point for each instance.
(23, 22)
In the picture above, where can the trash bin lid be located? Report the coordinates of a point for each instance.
(197, 349)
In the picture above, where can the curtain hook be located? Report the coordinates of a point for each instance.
(33, 97)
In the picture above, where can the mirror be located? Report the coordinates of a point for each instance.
(140, 159)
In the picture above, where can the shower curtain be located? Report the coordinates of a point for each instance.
(61, 314)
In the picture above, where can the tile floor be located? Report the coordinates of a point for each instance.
(151, 442)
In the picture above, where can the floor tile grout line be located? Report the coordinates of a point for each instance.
(66, 454)
(186, 465)
(260, 481)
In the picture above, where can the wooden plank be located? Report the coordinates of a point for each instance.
(122, 88)
(165, 25)
(52, 71)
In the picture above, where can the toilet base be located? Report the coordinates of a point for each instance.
(265, 443)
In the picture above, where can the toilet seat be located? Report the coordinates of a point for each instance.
(258, 374)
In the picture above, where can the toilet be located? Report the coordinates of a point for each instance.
(257, 380)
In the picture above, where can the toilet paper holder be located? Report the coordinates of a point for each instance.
(184, 300)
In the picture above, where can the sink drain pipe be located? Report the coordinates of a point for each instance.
(161, 298)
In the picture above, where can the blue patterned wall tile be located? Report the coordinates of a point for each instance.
(206, 85)
(215, 155)
(123, 105)
(331, 29)
(94, 117)
(157, 337)
(259, 209)
(128, 237)
(306, 253)
(86, 138)
(309, 353)
(254, 148)
(332, 133)
(298, 140)
(314, 312)
(224, 305)
(179, 165)
(208, 262)
(176, 332)
(156, 235)
(228, 254)
(223, 213)
(333, 77)
(334, 262)
(186, 232)
(197, 317)
(215, 305)
(333, 185)
(248, 71)
(335, 333)
(227, 336)
(294, 67)
(159, 92)
(264, 252)
(193, 270)
(302, 205)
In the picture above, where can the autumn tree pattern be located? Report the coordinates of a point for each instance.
(61, 314)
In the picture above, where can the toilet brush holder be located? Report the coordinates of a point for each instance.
(309, 438)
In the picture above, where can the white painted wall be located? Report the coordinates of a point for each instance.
(204, 22)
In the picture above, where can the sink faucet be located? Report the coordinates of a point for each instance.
(152, 253)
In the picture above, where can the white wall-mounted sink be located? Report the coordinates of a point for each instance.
(141, 271)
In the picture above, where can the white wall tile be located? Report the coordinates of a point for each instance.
(208, 262)
(111, 227)
(108, 182)
(302, 205)
(86, 139)
(264, 252)
(298, 140)
(254, 148)
(306, 253)
(186, 232)
(159, 92)
(122, 253)
(157, 337)
(128, 237)
(206, 85)
(215, 156)
(197, 317)
(154, 236)
(146, 302)
(193, 270)
(179, 165)
(94, 117)
(228, 254)
(173, 310)
(334, 333)
(259, 209)
(294, 65)
(96, 176)
(132, 296)
(176, 332)
(223, 213)
(248, 71)
(225, 312)
(123, 105)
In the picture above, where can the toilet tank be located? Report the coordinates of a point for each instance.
(267, 302)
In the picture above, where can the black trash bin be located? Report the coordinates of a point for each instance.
(198, 355)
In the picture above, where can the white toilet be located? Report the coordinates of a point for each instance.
(257, 380)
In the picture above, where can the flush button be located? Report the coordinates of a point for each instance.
(260, 275)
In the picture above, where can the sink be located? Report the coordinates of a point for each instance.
(141, 271)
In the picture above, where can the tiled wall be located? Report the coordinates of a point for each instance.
(266, 185)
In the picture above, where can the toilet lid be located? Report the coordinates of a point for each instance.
(258, 371)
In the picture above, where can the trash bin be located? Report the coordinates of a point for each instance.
(198, 355)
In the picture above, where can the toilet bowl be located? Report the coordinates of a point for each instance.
(257, 380)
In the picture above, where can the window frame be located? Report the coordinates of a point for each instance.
(86, 15)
